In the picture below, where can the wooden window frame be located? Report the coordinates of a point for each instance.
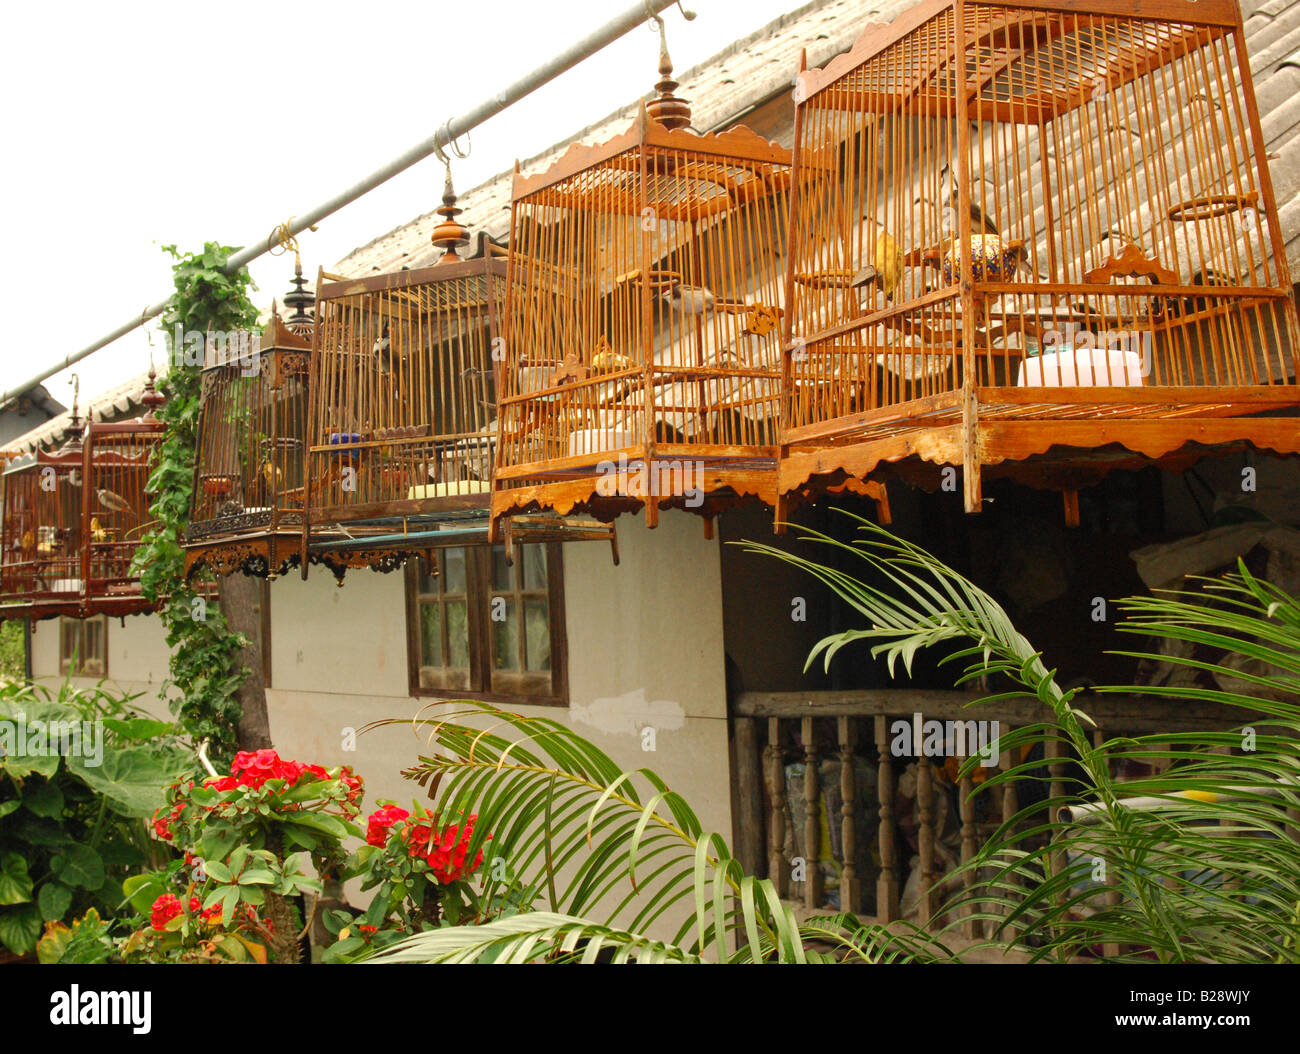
(478, 596)
(66, 666)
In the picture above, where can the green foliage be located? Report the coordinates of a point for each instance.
(73, 824)
(13, 649)
(1199, 862)
(205, 671)
(585, 857)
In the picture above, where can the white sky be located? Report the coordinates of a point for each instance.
(128, 126)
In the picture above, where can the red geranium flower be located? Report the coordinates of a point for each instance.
(381, 823)
(168, 907)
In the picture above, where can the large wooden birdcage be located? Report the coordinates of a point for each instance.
(74, 518)
(401, 426)
(248, 507)
(642, 350)
(41, 537)
(1034, 240)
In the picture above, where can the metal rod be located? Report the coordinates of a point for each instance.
(455, 128)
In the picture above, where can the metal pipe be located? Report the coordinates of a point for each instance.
(449, 132)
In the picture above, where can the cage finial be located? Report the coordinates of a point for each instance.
(669, 110)
(450, 233)
(152, 398)
(300, 301)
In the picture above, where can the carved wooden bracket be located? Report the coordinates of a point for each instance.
(1131, 262)
(570, 369)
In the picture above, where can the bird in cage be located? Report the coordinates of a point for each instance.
(949, 195)
(886, 270)
(272, 475)
(690, 299)
(382, 351)
(113, 502)
(606, 359)
(97, 532)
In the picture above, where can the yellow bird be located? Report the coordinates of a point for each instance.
(885, 271)
(27, 541)
(97, 533)
(607, 360)
(272, 474)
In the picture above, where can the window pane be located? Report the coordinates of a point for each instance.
(534, 560)
(505, 634)
(430, 635)
(457, 633)
(537, 627)
(428, 585)
(503, 575)
(453, 573)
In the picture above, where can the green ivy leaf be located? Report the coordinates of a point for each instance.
(19, 929)
(15, 882)
(79, 865)
(53, 900)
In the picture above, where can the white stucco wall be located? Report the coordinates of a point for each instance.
(137, 658)
(645, 648)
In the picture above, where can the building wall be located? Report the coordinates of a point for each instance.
(645, 647)
(137, 658)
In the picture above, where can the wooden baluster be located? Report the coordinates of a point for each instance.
(776, 866)
(965, 789)
(1010, 806)
(850, 883)
(812, 828)
(749, 797)
(1055, 752)
(887, 883)
(1110, 950)
(925, 837)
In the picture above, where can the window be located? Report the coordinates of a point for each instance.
(481, 628)
(83, 647)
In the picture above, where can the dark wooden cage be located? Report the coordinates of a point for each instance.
(73, 520)
(402, 418)
(248, 507)
(642, 350)
(1036, 240)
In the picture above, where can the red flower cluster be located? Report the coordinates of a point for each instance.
(162, 824)
(381, 823)
(168, 907)
(446, 854)
(254, 768)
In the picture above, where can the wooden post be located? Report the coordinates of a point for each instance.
(887, 883)
(965, 789)
(925, 837)
(812, 828)
(749, 798)
(850, 883)
(776, 869)
(1010, 806)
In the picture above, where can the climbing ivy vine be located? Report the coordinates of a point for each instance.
(205, 673)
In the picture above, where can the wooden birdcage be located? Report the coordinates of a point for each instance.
(247, 511)
(74, 518)
(1033, 240)
(642, 351)
(402, 407)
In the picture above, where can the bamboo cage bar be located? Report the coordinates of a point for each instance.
(248, 505)
(1033, 240)
(74, 518)
(402, 420)
(641, 364)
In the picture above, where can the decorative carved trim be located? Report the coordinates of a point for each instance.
(1131, 262)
